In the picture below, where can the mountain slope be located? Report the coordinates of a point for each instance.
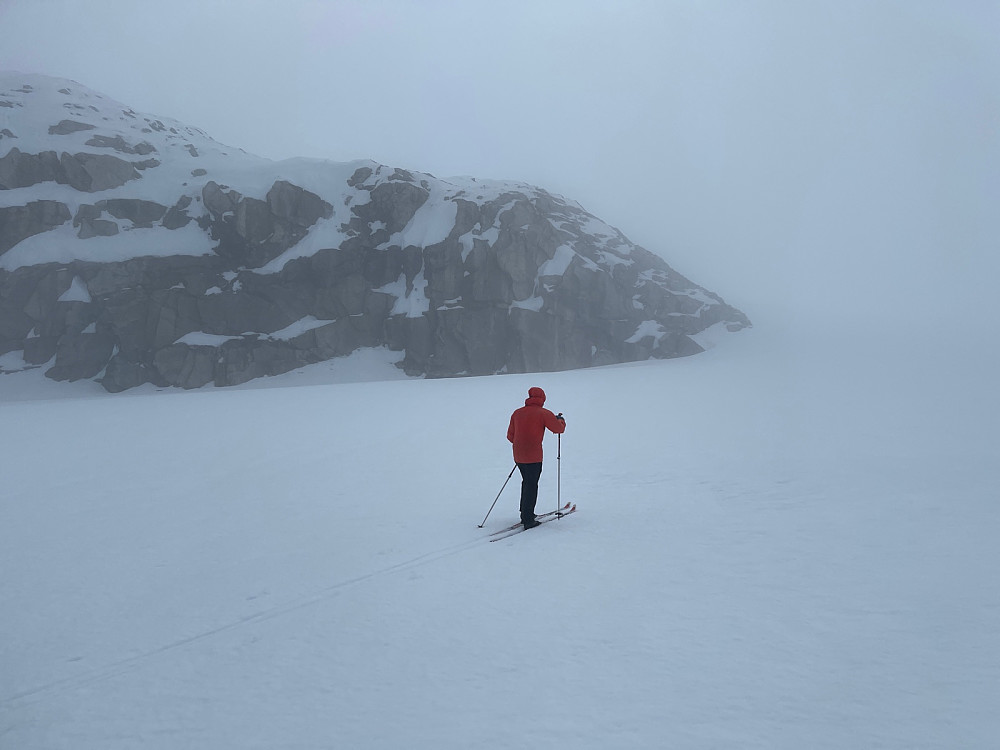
(135, 249)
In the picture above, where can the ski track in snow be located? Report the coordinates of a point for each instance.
(117, 668)
(778, 545)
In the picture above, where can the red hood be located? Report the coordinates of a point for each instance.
(536, 397)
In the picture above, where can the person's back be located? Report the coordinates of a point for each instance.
(526, 432)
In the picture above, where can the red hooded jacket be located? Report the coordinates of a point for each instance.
(527, 427)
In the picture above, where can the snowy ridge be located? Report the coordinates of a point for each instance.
(97, 123)
(31, 105)
(219, 250)
(186, 159)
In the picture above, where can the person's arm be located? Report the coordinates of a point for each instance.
(510, 430)
(554, 422)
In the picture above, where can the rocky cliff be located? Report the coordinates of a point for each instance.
(135, 249)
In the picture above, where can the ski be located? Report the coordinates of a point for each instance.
(551, 516)
(517, 525)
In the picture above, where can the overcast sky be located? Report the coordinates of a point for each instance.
(799, 158)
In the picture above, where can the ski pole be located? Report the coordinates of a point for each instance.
(498, 495)
(559, 473)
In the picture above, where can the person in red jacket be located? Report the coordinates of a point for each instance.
(526, 430)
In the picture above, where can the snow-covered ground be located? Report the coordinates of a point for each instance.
(779, 544)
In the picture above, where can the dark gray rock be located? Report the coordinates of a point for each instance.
(93, 172)
(545, 342)
(107, 280)
(171, 314)
(126, 315)
(42, 302)
(393, 203)
(16, 289)
(186, 366)
(40, 349)
(17, 223)
(81, 356)
(415, 337)
(219, 201)
(297, 206)
(118, 143)
(177, 215)
(19, 170)
(86, 172)
(243, 360)
(262, 309)
(252, 232)
(343, 336)
(97, 228)
(65, 127)
(88, 219)
(360, 176)
(485, 282)
(141, 213)
(675, 344)
(68, 318)
(471, 342)
(122, 374)
(444, 272)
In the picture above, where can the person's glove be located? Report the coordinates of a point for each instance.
(560, 417)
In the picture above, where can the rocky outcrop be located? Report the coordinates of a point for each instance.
(19, 170)
(463, 305)
(506, 307)
(252, 232)
(65, 127)
(17, 223)
(118, 143)
(85, 172)
(462, 277)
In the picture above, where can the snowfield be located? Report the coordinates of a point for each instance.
(779, 544)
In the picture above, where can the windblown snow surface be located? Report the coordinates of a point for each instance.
(777, 546)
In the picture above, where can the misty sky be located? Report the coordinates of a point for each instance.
(801, 159)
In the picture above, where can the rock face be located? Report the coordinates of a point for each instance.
(20, 222)
(233, 267)
(86, 172)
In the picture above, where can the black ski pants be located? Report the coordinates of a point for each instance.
(530, 474)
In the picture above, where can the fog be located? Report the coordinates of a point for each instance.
(821, 163)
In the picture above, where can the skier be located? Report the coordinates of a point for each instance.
(526, 430)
